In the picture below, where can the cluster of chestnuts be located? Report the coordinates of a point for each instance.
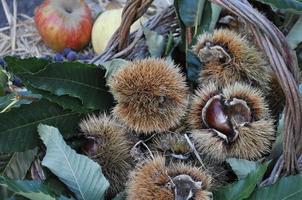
(145, 145)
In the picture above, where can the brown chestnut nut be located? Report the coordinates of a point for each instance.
(236, 122)
(214, 116)
(224, 116)
(90, 146)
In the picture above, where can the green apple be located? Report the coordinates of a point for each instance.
(105, 26)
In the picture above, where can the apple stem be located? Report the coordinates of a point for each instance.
(68, 10)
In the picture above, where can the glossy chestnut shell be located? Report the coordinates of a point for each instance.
(224, 116)
(90, 146)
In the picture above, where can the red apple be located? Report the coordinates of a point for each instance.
(64, 23)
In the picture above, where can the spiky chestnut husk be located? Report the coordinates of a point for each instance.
(154, 180)
(110, 147)
(171, 145)
(228, 58)
(174, 147)
(151, 95)
(230, 21)
(218, 140)
(235, 23)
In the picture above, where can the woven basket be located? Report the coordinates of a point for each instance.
(269, 39)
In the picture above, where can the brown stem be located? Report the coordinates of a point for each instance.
(188, 35)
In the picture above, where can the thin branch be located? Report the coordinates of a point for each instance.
(195, 151)
(146, 146)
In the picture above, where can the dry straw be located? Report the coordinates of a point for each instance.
(20, 36)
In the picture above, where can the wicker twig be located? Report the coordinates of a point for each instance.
(163, 23)
(275, 174)
(129, 17)
(274, 44)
